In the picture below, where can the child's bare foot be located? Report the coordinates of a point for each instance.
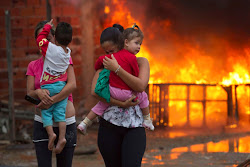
(52, 138)
(60, 145)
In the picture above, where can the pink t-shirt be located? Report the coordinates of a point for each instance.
(35, 69)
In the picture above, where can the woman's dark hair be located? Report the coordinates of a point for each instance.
(41, 25)
(63, 33)
(114, 35)
(131, 33)
(120, 28)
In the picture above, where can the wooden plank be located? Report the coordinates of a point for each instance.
(245, 163)
(11, 129)
(236, 105)
(204, 106)
(188, 105)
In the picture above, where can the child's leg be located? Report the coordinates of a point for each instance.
(145, 112)
(59, 116)
(120, 94)
(82, 127)
(52, 137)
(144, 103)
(88, 120)
(98, 109)
(91, 115)
(147, 122)
(61, 140)
(47, 123)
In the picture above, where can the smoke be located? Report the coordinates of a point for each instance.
(194, 37)
(209, 26)
(224, 18)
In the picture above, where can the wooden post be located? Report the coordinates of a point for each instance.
(236, 104)
(188, 105)
(248, 101)
(204, 105)
(11, 129)
(228, 89)
(48, 10)
(160, 106)
(167, 105)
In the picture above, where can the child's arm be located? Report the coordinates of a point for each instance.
(113, 101)
(99, 62)
(41, 39)
(139, 83)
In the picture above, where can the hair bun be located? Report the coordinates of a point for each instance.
(135, 26)
(119, 27)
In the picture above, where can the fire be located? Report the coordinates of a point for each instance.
(196, 66)
(239, 76)
(119, 14)
(106, 10)
(175, 58)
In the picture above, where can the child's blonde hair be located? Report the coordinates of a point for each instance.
(131, 33)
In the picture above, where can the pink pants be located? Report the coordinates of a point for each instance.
(122, 95)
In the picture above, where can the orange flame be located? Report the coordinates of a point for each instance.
(106, 10)
(193, 65)
(239, 76)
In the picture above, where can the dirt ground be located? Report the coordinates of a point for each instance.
(165, 147)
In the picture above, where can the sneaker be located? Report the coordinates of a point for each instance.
(82, 127)
(148, 124)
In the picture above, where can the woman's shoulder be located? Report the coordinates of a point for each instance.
(36, 63)
(142, 60)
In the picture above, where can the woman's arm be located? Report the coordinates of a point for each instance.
(139, 83)
(42, 94)
(68, 88)
(113, 101)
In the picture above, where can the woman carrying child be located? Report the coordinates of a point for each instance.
(117, 88)
(40, 136)
(121, 136)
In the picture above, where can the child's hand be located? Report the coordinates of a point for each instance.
(129, 102)
(50, 23)
(110, 64)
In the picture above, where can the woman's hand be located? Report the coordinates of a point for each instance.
(43, 95)
(129, 102)
(110, 64)
(43, 106)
